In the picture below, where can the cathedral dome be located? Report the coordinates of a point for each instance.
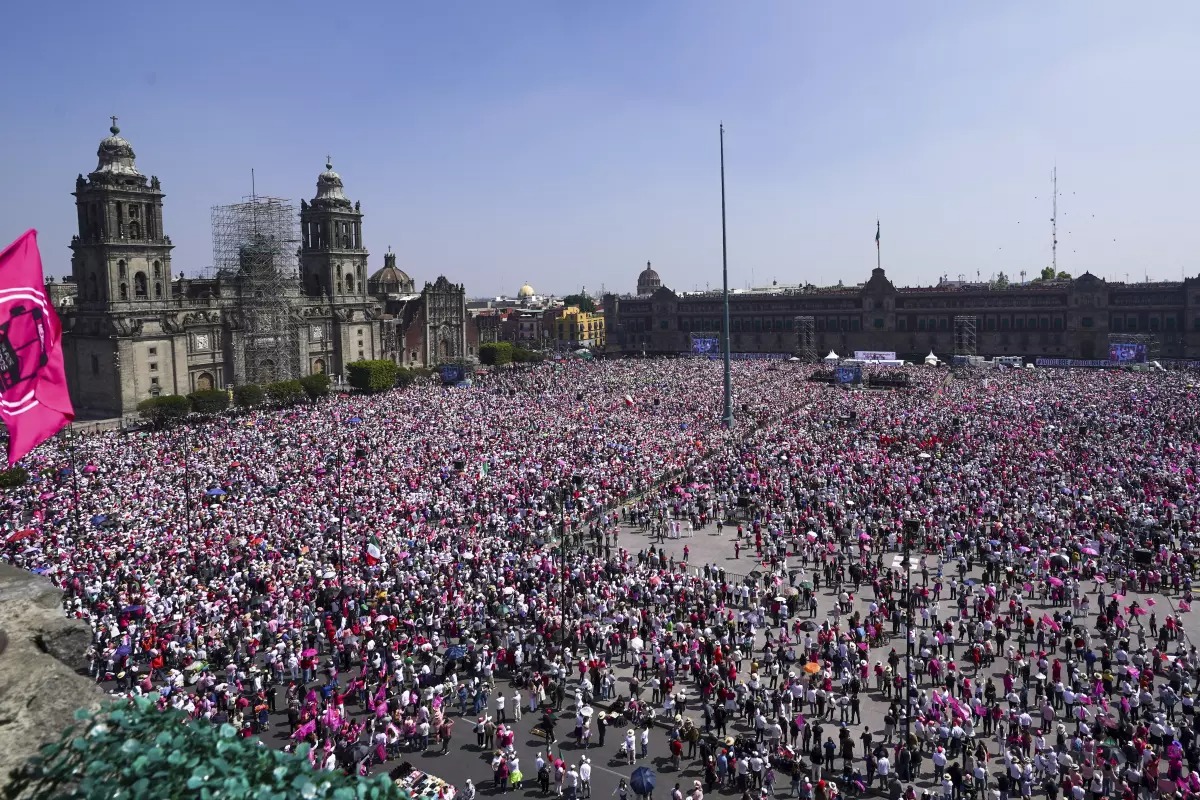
(648, 280)
(115, 155)
(390, 279)
(329, 185)
(526, 292)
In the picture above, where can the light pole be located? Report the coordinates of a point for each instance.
(576, 482)
(911, 526)
(70, 434)
(727, 417)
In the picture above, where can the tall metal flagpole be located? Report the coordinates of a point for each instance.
(71, 434)
(727, 418)
(187, 492)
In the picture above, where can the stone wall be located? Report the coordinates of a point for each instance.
(41, 685)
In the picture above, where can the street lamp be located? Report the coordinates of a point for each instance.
(71, 436)
(910, 529)
(576, 482)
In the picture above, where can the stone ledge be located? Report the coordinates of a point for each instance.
(41, 684)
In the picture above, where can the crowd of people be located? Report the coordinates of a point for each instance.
(977, 584)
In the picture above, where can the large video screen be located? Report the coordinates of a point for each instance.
(852, 374)
(1127, 352)
(705, 346)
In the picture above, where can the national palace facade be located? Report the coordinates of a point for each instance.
(1070, 319)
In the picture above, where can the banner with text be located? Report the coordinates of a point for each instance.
(874, 355)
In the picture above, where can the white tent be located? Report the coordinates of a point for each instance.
(832, 358)
(931, 360)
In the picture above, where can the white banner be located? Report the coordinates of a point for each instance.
(874, 355)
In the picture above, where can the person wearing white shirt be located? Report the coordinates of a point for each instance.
(585, 777)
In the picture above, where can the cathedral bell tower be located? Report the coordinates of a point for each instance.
(333, 261)
(120, 257)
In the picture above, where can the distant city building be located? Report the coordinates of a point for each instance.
(133, 329)
(1068, 318)
(574, 329)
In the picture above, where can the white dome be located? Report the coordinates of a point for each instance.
(525, 291)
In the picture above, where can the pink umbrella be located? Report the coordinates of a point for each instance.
(1091, 551)
(1150, 601)
(1056, 581)
(1101, 579)
(1118, 597)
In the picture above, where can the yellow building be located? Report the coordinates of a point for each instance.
(574, 329)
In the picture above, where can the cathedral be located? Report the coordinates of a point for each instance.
(134, 329)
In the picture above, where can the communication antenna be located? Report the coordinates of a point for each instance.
(1054, 221)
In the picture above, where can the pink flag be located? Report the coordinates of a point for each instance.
(34, 402)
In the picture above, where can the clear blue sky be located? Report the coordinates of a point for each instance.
(567, 143)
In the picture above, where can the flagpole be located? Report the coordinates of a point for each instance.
(187, 494)
(727, 418)
(878, 257)
(70, 431)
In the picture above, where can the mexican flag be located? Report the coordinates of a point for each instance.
(374, 554)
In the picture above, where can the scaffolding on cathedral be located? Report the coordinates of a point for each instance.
(255, 246)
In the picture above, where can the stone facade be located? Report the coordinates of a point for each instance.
(133, 330)
(1052, 319)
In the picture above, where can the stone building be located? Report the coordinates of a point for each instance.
(1071, 318)
(133, 329)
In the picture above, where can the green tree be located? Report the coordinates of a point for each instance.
(163, 410)
(495, 354)
(12, 478)
(405, 377)
(248, 395)
(209, 401)
(1063, 275)
(315, 385)
(376, 375)
(285, 393)
(130, 749)
(585, 303)
(1001, 281)
(1047, 273)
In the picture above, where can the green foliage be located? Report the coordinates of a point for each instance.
(131, 750)
(584, 302)
(248, 395)
(1047, 273)
(159, 411)
(315, 385)
(496, 354)
(209, 401)
(285, 393)
(1063, 275)
(523, 355)
(405, 377)
(12, 478)
(376, 375)
(1001, 281)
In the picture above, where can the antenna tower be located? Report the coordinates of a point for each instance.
(1054, 220)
